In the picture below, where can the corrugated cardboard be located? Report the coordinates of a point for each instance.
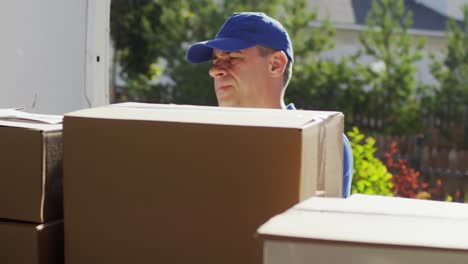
(184, 184)
(31, 171)
(22, 243)
(367, 229)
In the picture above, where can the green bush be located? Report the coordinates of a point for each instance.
(370, 174)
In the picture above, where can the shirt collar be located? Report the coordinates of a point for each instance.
(291, 107)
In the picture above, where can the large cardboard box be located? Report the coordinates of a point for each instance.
(30, 243)
(367, 229)
(184, 184)
(31, 171)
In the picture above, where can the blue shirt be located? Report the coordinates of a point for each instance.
(347, 162)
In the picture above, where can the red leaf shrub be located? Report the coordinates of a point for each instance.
(406, 182)
(405, 179)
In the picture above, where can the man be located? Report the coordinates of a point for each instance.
(252, 58)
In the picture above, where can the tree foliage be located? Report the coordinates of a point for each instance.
(135, 35)
(136, 32)
(451, 96)
(318, 82)
(390, 78)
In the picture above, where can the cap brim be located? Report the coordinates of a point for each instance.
(203, 51)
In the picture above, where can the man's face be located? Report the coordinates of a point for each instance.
(240, 77)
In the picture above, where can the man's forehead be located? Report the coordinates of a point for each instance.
(217, 52)
(247, 51)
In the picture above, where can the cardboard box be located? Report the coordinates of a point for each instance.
(184, 184)
(367, 229)
(31, 172)
(31, 243)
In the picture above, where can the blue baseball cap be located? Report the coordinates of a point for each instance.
(242, 31)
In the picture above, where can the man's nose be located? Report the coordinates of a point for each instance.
(217, 70)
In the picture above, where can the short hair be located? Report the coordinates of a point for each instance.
(264, 51)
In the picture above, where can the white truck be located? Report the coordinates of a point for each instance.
(54, 55)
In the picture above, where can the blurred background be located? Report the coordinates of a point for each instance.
(397, 69)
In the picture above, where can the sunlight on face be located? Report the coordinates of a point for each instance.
(239, 77)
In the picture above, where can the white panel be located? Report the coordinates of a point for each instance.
(42, 51)
(97, 53)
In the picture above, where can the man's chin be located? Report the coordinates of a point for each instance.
(227, 103)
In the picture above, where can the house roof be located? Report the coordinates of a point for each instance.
(352, 14)
(424, 18)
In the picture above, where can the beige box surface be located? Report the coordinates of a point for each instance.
(31, 171)
(184, 184)
(367, 229)
(30, 243)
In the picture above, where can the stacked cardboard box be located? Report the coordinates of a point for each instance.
(184, 184)
(31, 215)
(367, 229)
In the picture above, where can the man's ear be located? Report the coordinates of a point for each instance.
(277, 63)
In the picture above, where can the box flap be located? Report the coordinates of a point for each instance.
(15, 118)
(207, 115)
(14, 114)
(31, 125)
(374, 220)
(384, 205)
